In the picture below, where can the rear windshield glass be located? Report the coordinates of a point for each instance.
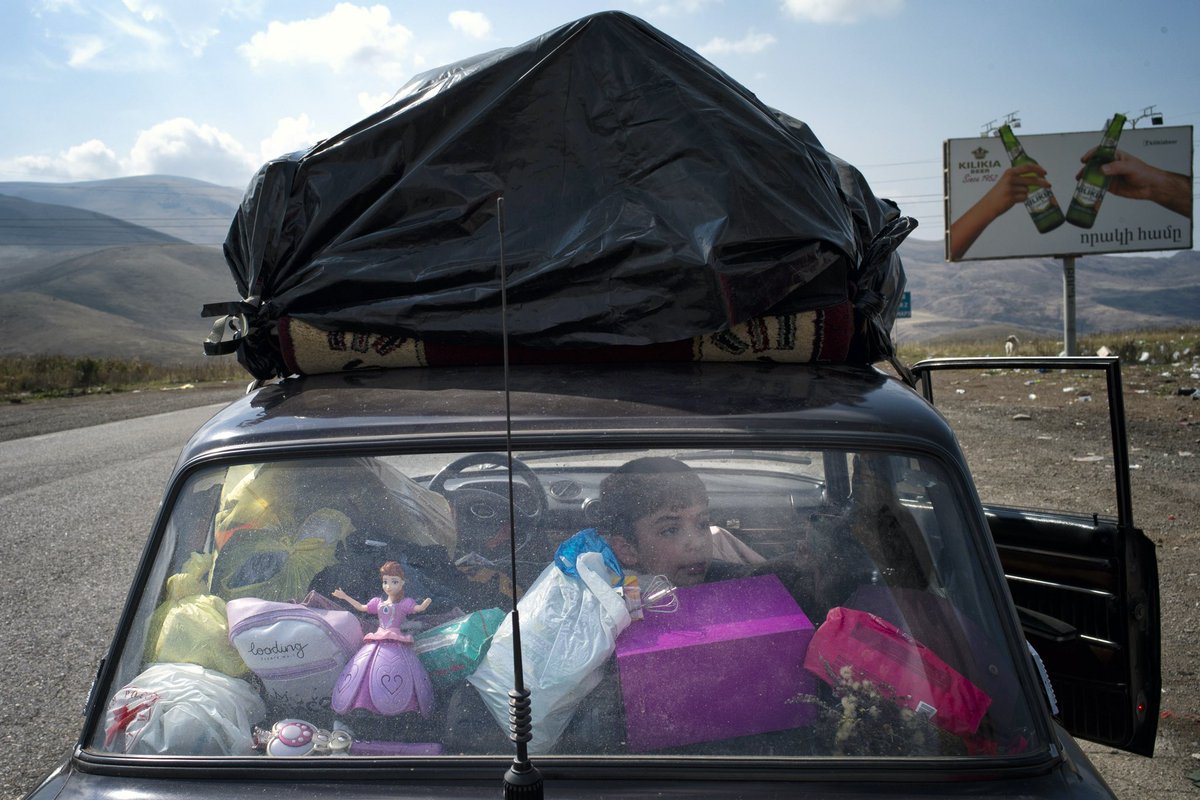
(687, 602)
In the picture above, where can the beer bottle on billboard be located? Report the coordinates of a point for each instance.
(1093, 183)
(1041, 203)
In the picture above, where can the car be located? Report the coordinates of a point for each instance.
(850, 620)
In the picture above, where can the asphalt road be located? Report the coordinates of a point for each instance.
(75, 509)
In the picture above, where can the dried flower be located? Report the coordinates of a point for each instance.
(865, 718)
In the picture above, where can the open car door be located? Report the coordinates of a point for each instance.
(1085, 584)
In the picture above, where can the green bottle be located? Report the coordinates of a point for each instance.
(1041, 203)
(1092, 185)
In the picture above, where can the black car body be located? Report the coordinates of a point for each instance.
(847, 486)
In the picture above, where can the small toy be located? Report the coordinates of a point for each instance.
(290, 738)
(385, 676)
(658, 595)
(295, 737)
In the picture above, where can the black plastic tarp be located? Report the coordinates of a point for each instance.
(647, 197)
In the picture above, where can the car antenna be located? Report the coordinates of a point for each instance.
(522, 780)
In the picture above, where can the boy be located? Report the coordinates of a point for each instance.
(654, 515)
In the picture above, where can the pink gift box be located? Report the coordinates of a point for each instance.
(724, 665)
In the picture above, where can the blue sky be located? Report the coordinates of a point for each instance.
(210, 89)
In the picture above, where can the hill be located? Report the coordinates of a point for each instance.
(79, 276)
(33, 224)
(185, 209)
(138, 301)
(1026, 294)
(77, 282)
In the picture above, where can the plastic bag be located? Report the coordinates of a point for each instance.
(330, 498)
(183, 709)
(193, 630)
(870, 647)
(569, 627)
(265, 565)
(649, 199)
(189, 625)
(452, 651)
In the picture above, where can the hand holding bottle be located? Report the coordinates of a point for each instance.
(1012, 187)
(1092, 182)
(1133, 178)
(1040, 202)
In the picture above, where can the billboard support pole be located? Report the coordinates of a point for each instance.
(1069, 305)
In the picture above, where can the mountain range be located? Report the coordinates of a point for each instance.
(1025, 295)
(119, 268)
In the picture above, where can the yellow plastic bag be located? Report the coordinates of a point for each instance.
(190, 626)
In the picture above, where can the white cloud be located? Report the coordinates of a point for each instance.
(841, 11)
(348, 36)
(290, 134)
(473, 23)
(749, 44)
(181, 146)
(193, 24)
(84, 50)
(92, 160)
(676, 8)
(133, 30)
(147, 9)
(54, 6)
(101, 37)
(176, 146)
(371, 103)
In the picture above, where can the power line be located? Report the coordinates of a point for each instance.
(34, 224)
(108, 244)
(898, 164)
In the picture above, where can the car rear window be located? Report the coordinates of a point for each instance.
(782, 602)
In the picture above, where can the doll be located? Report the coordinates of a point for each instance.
(385, 676)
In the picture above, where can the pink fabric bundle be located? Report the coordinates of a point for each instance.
(898, 665)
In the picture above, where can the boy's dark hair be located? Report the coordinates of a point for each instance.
(642, 486)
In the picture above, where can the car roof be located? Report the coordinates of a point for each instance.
(567, 402)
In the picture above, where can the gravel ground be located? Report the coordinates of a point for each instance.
(1041, 440)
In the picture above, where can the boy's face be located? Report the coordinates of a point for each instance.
(671, 541)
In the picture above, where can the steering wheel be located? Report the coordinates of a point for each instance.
(482, 514)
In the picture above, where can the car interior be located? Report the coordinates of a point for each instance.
(836, 594)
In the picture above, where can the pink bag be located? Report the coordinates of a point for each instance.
(297, 649)
(875, 649)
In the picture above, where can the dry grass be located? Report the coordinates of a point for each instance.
(62, 376)
(56, 376)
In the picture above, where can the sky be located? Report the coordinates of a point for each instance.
(210, 89)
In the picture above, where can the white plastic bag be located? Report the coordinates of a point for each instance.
(183, 709)
(569, 627)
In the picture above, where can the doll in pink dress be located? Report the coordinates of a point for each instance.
(385, 676)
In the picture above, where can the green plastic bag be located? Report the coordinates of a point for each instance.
(269, 566)
(452, 651)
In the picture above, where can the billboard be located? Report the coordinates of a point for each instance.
(993, 211)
